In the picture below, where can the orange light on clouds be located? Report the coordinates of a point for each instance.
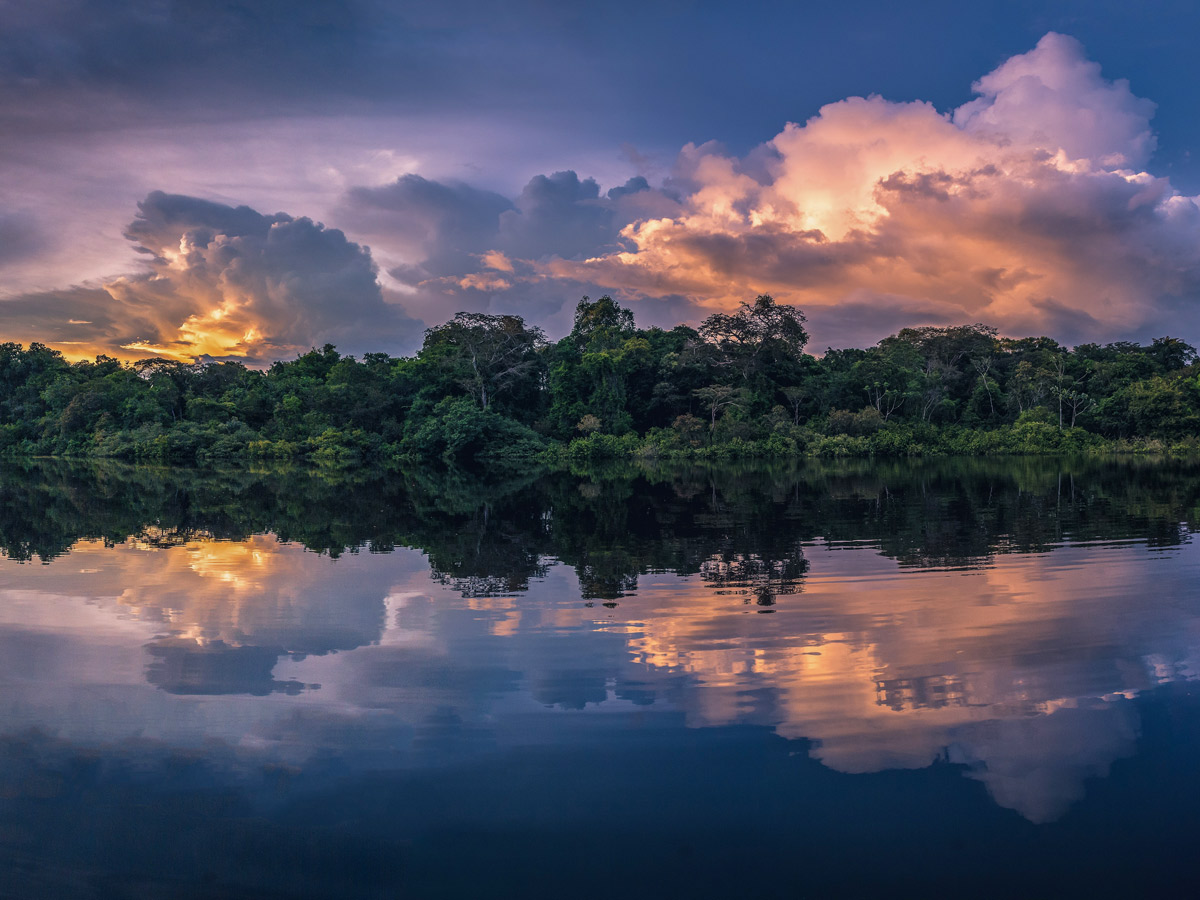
(1029, 208)
(1024, 209)
(885, 669)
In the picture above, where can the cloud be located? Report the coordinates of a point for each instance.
(97, 61)
(225, 282)
(457, 247)
(1054, 98)
(556, 215)
(20, 236)
(449, 225)
(80, 321)
(1027, 208)
(1018, 209)
(143, 48)
(1030, 208)
(442, 225)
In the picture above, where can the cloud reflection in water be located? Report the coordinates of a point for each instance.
(1019, 670)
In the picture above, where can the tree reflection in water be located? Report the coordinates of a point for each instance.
(988, 613)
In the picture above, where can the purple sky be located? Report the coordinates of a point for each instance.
(251, 179)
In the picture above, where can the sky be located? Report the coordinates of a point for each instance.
(221, 179)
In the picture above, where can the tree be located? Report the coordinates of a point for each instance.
(756, 335)
(716, 397)
(983, 367)
(1172, 354)
(1061, 386)
(1028, 386)
(1163, 406)
(169, 381)
(1075, 402)
(796, 397)
(604, 319)
(888, 373)
(488, 355)
(589, 370)
(948, 345)
(946, 354)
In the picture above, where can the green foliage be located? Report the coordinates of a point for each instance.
(491, 358)
(600, 447)
(490, 392)
(617, 520)
(458, 432)
(866, 421)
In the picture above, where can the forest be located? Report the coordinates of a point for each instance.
(491, 392)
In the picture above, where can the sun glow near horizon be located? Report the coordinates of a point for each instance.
(1031, 207)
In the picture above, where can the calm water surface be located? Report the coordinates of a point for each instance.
(854, 680)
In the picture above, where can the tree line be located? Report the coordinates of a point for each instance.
(741, 527)
(492, 391)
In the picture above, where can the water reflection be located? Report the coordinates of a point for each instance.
(1020, 670)
(993, 616)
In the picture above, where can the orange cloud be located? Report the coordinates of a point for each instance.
(222, 282)
(885, 670)
(1031, 208)
(1023, 208)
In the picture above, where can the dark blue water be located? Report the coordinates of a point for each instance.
(891, 680)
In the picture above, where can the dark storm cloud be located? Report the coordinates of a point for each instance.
(1070, 326)
(450, 224)
(556, 215)
(471, 249)
(265, 285)
(146, 47)
(634, 185)
(562, 216)
(88, 317)
(98, 59)
(162, 218)
(649, 75)
(445, 225)
(862, 320)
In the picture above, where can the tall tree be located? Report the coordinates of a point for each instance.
(603, 320)
(488, 355)
(757, 335)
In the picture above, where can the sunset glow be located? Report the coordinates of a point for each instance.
(1037, 207)
(655, 447)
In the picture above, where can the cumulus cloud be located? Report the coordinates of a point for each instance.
(225, 282)
(442, 226)
(1055, 98)
(1028, 208)
(457, 247)
(1020, 208)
